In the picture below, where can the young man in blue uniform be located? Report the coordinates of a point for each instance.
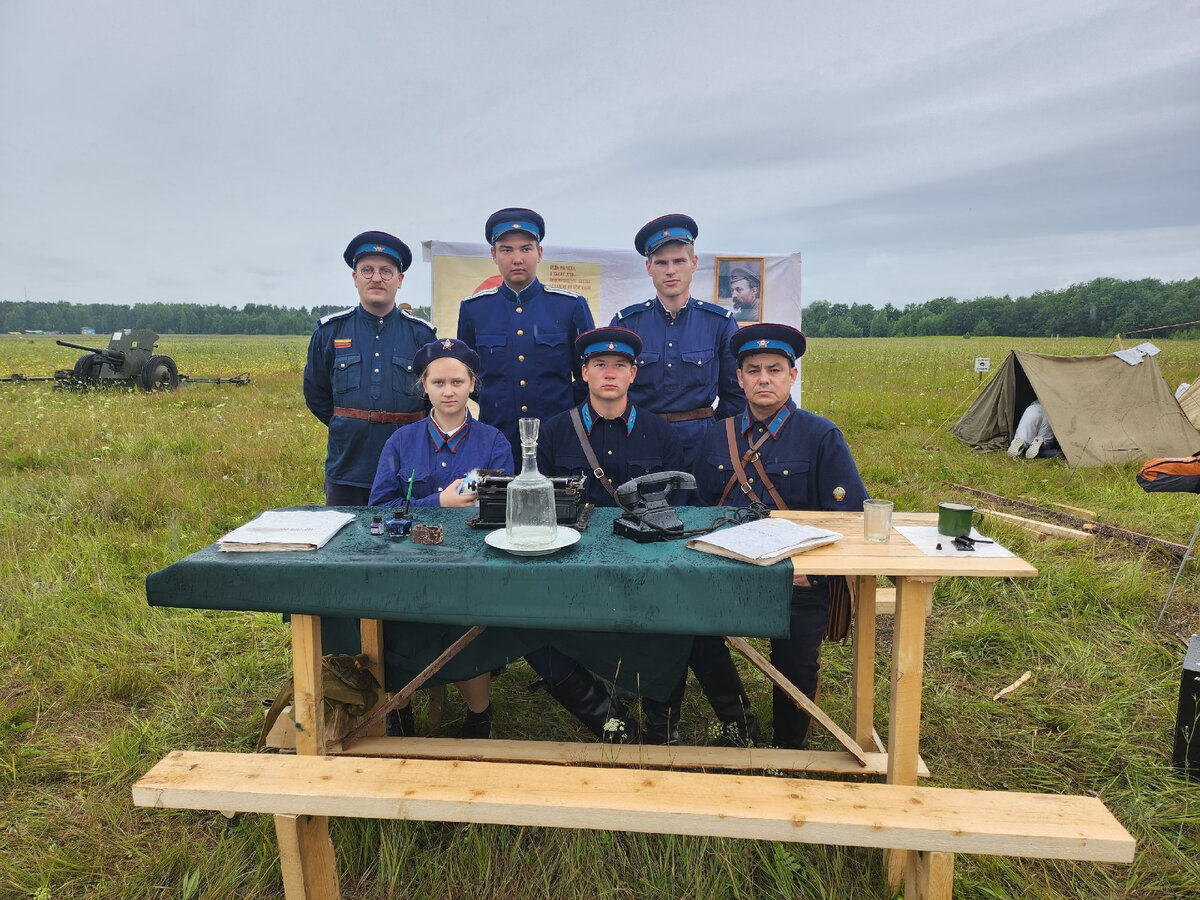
(523, 331)
(359, 378)
(623, 441)
(802, 462)
(685, 363)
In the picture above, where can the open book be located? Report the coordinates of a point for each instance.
(286, 529)
(765, 541)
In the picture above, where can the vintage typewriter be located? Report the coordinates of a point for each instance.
(572, 509)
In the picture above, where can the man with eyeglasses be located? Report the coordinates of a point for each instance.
(523, 331)
(359, 377)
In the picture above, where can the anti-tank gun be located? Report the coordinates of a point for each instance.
(128, 359)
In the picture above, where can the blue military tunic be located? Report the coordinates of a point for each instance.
(361, 361)
(436, 459)
(806, 458)
(685, 364)
(526, 347)
(635, 444)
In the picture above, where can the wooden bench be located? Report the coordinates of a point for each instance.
(936, 821)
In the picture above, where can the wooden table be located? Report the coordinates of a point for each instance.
(309, 868)
(914, 574)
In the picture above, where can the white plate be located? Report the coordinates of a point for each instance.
(499, 540)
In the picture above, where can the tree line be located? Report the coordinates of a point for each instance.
(1099, 308)
(164, 318)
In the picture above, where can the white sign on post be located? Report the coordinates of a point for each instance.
(983, 364)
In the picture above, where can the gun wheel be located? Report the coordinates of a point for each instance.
(160, 374)
(86, 370)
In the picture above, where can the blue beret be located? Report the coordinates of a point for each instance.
(440, 349)
(608, 340)
(514, 218)
(663, 230)
(378, 243)
(768, 338)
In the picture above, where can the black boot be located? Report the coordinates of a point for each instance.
(791, 722)
(400, 722)
(478, 725)
(585, 696)
(662, 722)
(662, 717)
(719, 679)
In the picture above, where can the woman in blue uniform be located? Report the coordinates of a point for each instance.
(435, 454)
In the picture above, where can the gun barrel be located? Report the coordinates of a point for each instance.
(115, 355)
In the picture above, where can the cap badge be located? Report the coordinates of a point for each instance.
(378, 247)
(762, 342)
(612, 346)
(839, 493)
(447, 344)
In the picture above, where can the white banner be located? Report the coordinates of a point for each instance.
(758, 288)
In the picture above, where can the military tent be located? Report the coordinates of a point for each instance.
(1102, 409)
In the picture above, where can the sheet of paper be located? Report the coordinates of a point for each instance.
(926, 539)
(769, 537)
(289, 529)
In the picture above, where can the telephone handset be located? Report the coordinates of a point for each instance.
(648, 516)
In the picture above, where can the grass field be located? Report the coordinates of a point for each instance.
(99, 489)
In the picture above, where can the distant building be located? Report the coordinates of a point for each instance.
(87, 329)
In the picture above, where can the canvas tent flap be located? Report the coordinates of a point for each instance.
(1102, 410)
(1190, 401)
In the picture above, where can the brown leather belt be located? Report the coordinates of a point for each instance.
(379, 416)
(704, 412)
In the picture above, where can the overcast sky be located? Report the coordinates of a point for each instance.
(225, 152)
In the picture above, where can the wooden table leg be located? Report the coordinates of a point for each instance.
(305, 851)
(862, 688)
(904, 717)
(371, 637)
(929, 876)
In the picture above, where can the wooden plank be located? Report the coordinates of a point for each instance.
(308, 705)
(1075, 510)
(371, 636)
(678, 756)
(798, 697)
(1041, 527)
(908, 655)
(306, 858)
(862, 675)
(742, 806)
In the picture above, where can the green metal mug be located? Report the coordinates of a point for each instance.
(957, 519)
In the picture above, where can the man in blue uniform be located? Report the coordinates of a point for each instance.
(685, 363)
(359, 377)
(523, 331)
(786, 458)
(625, 440)
(610, 439)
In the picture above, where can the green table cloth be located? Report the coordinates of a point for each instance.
(626, 610)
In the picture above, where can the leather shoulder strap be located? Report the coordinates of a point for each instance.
(590, 455)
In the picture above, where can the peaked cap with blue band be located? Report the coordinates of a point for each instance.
(768, 338)
(663, 230)
(378, 243)
(441, 349)
(621, 341)
(514, 218)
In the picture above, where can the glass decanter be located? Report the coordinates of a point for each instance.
(530, 522)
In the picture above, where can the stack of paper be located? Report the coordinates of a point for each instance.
(293, 529)
(764, 541)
